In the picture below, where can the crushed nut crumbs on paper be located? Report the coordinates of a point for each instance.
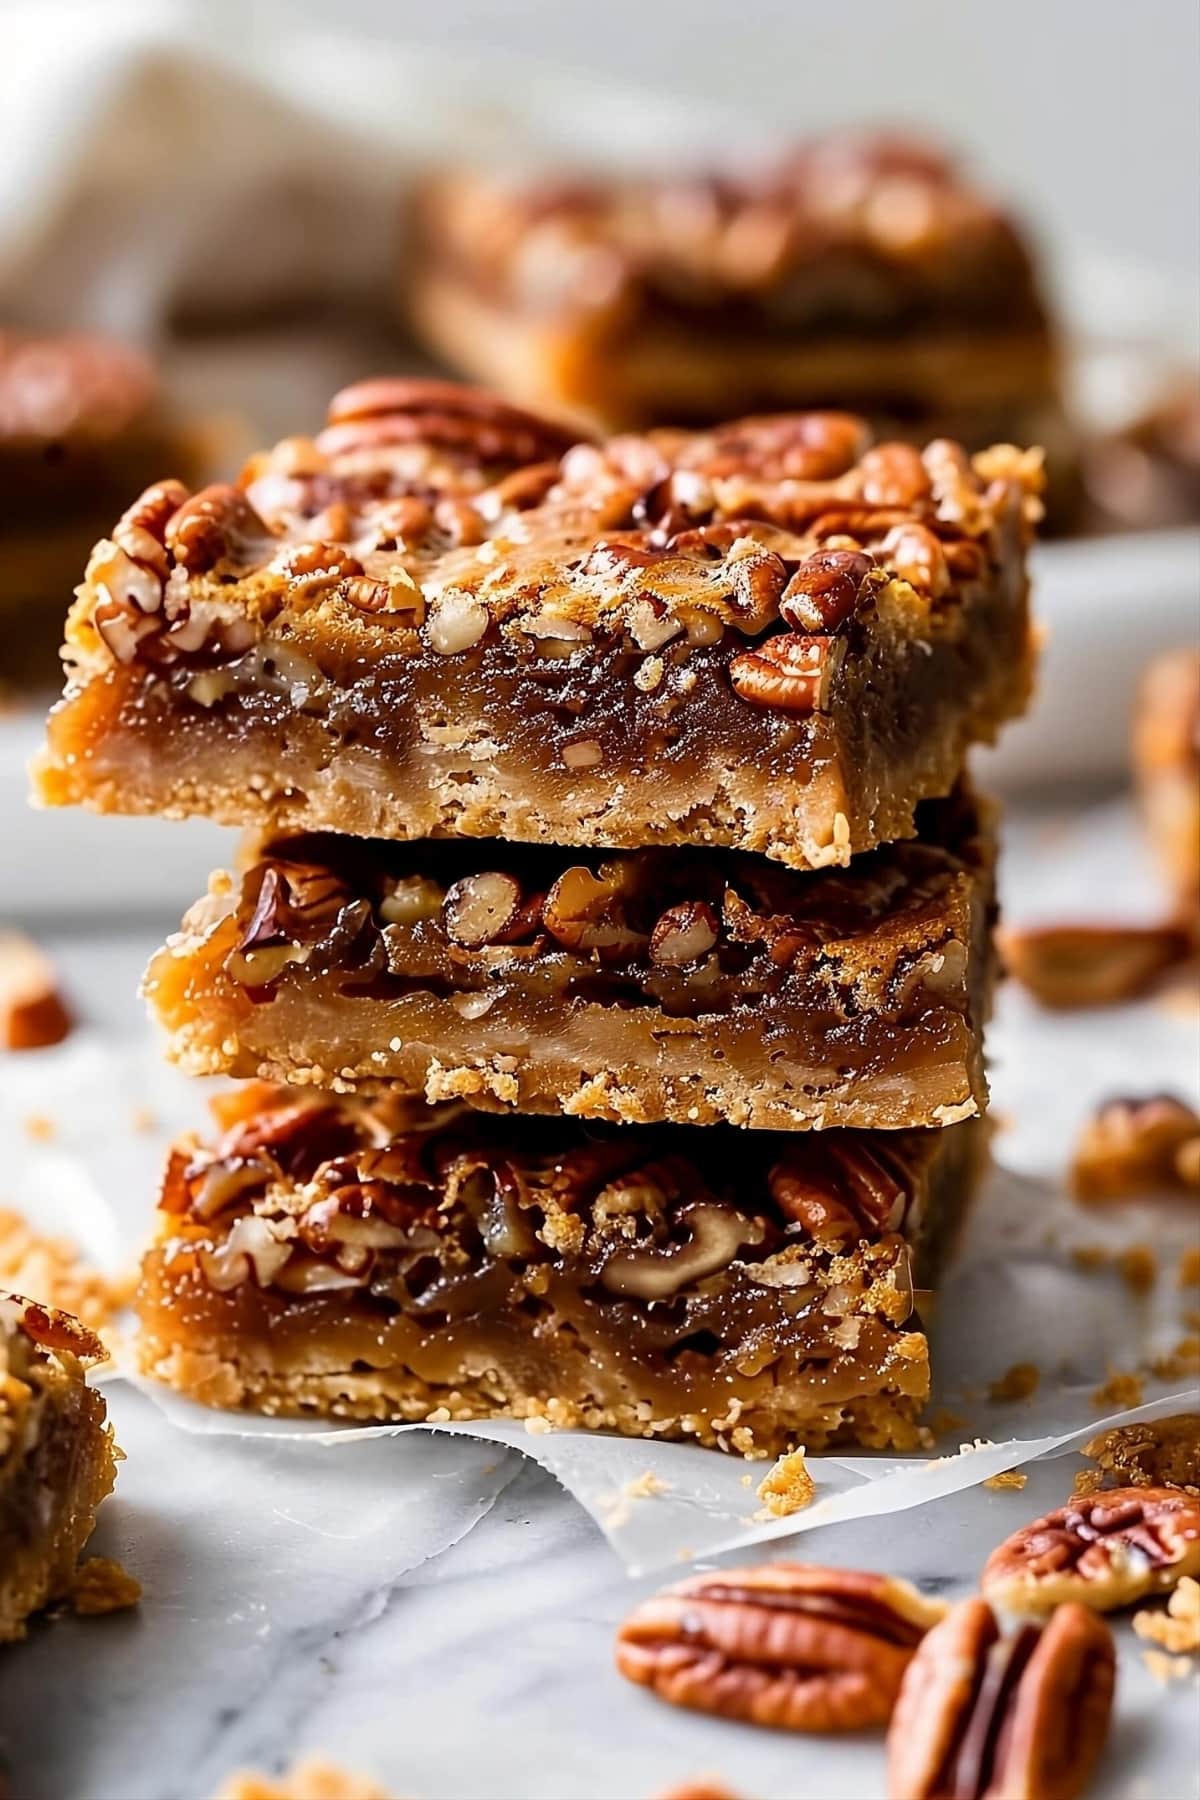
(1122, 1389)
(1189, 1267)
(1176, 1629)
(103, 1586)
(51, 1269)
(1139, 1268)
(1166, 1669)
(1007, 1478)
(787, 1487)
(312, 1779)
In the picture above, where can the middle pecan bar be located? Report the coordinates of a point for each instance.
(380, 1258)
(440, 617)
(659, 985)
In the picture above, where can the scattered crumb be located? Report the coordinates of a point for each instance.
(142, 1120)
(312, 1779)
(646, 1486)
(745, 1480)
(1179, 1363)
(1139, 1268)
(1189, 1267)
(1122, 1389)
(33, 1014)
(788, 1487)
(1151, 1453)
(1017, 1383)
(1178, 1628)
(103, 1586)
(1166, 1669)
(705, 1787)
(1007, 1478)
(40, 1128)
(1087, 1481)
(685, 1553)
(537, 1426)
(1091, 1256)
(944, 1421)
(50, 1269)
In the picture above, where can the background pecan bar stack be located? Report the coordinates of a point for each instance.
(605, 799)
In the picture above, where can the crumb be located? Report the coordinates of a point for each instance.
(50, 1269)
(1087, 1481)
(705, 1787)
(1017, 1383)
(1189, 1267)
(312, 1779)
(1151, 1453)
(1178, 1628)
(1139, 1268)
(40, 1128)
(1166, 1669)
(1091, 1256)
(944, 1421)
(141, 1120)
(646, 1486)
(1121, 1389)
(33, 1014)
(746, 1480)
(103, 1586)
(788, 1487)
(1177, 1364)
(537, 1426)
(1007, 1478)
(685, 1553)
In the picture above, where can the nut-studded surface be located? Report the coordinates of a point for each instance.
(981, 1716)
(56, 1454)
(406, 627)
(784, 1644)
(670, 984)
(386, 1259)
(1104, 1550)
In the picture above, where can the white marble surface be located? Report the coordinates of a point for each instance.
(452, 1635)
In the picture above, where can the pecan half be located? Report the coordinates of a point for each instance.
(825, 590)
(1091, 965)
(402, 409)
(842, 1189)
(218, 526)
(784, 1644)
(488, 908)
(1105, 1550)
(786, 672)
(659, 1271)
(52, 1329)
(983, 1717)
(683, 934)
(1131, 1146)
(586, 911)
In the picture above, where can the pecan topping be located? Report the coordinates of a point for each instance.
(141, 531)
(483, 909)
(1091, 965)
(1138, 1147)
(784, 1644)
(33, 1013)
(786, 672)
(841, 1188)
(826, 589)
(583, 911)
(658, 1271)
(1104, 1549)
(981, 1716)
(218, 526)
(894, 475)
(400, 409)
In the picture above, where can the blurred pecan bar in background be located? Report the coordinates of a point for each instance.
(384, 1259)
(82, 426)
(441, 617)
(863, 271)
(56, 1455)
(684, 985)
(1166, 756)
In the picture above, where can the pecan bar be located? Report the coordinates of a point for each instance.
(862, 271)
(1166, 755)
(675, 984)
(441, 618)
(82, 424)
(56, 1455)
(383, 1259)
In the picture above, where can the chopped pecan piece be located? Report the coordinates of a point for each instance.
(981, 1717)
(1105, 1550)
(785, 1644)
(683, 934)
(1151, 1453)
(1137, 1147)
(787, 672)
(1091, 965)
(33, 1014)
(218, 526)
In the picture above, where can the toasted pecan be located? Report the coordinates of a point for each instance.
(1104, 1550)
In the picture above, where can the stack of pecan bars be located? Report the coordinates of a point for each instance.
(665, 1132)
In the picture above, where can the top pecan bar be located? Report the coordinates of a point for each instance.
(442, 616)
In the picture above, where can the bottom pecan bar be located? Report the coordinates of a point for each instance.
(56, 1455)
(386, 1259)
